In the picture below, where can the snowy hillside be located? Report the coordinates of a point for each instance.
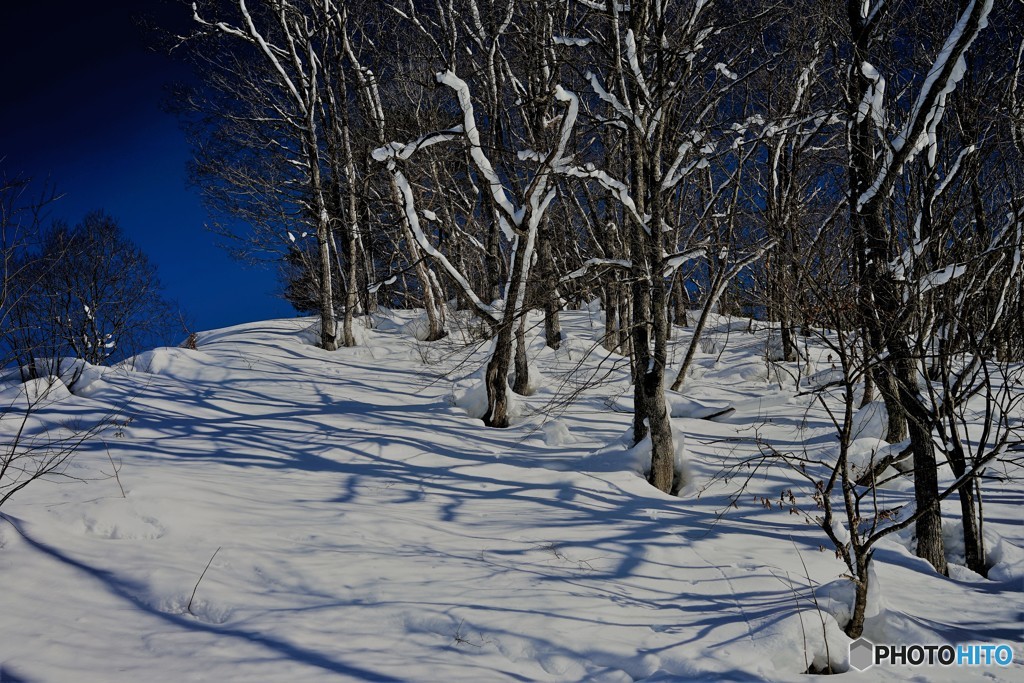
(363, 525)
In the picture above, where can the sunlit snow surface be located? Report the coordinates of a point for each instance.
(369, 529)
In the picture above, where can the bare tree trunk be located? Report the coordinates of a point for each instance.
(928, 527)
(650, 316)
(549, 282)
(501, 358)
(521, 385)
(974, 543)
(862, 583)
(610, 340)
(497, 378)
(681, 300)
(328, 324)
(974, 546)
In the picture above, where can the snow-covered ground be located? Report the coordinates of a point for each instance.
(363, 525)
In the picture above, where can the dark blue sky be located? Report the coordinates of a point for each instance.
(82, 104)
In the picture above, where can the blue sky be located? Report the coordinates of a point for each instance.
(82, 105)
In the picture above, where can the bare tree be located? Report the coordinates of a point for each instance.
(658, 79)
(876, 162)
(283, 101)
(85, 293)
(520, 221)
(29, 451)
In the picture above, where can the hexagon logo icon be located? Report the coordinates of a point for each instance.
(862, 654)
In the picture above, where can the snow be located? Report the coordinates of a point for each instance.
(557, 434)
(870, 422)
(941, 277)
(43, 390)
(724, 70)
(874, 97)
(571, 41)
(356, 523)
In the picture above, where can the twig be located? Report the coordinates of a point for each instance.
(458, 638)
(116, 469)
(189, 608)
(817, 608)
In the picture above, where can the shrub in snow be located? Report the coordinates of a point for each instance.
(1006, 561)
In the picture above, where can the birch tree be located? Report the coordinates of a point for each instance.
(657, 76)
(286, 92)
(514, 181)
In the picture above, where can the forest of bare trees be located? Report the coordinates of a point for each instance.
(850, 172)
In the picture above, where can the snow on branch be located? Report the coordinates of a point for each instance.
(634, 64)
(598, 5)
(570, 41)
(874, 98)
(252, 35)
(399, 150)
(409, 204)
(616, 104)
(594, 263)
(568, 122)
(921, 129)
(677, 171)
(941, 277)
(476, 150)
(616, 187)
(674, 261)
(1010, 238)
(954, 170)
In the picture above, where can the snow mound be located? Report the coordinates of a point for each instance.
(823, 378)
(804, 640)
(557, 434)
(684, 406)
(836, 598)
(863, 454)
(36, 392)
(574, 348)
(75, 373)
(114, 519)
(90, 380)
(182, 364)
(311, 334)
(418, 328)
(535, 380)
(623, 455)
(748, 372)
(870, 422)
(1006, 560)
(471, 396)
